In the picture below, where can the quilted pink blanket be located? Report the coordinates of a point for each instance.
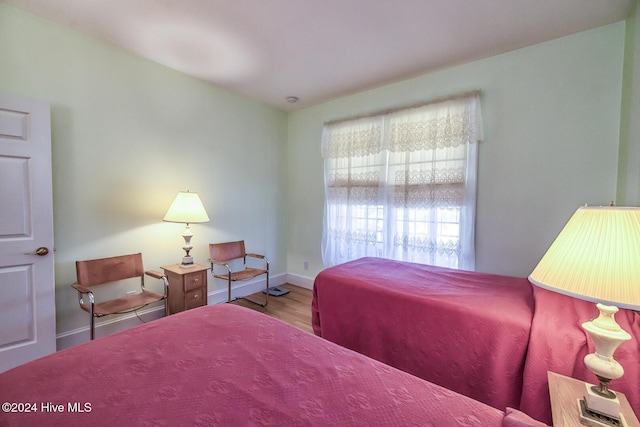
(463, 330)
(559, 344)
(224, 366)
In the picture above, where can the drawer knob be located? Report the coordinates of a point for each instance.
(195, 296)
(195, 280)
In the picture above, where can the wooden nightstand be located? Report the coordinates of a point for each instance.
(565, 392)
(187, 287)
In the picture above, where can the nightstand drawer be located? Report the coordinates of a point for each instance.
(194, 281)
(187, 287)
(194, 298)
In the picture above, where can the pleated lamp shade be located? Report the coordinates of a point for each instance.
(596, 257)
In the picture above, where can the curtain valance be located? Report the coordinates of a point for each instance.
(352, 139)
(451, 122)
(448, 124)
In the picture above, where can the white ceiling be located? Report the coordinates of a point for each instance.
(317, 50)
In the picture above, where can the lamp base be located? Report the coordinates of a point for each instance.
(187, 262)
(187, 265)
(606, 335)
(591, 418)
(602, 401)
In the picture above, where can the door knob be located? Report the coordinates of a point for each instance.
(41, 251)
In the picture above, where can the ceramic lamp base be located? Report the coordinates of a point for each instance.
(591, 418)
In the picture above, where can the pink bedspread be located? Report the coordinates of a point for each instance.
(559, 344)
(225, 366)
(465, 331)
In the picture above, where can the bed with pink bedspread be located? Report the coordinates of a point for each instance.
(465, 331)
(225, 365)
(489, 337)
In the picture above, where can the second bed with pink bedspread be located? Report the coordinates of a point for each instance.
(489, 337)
(465, 331)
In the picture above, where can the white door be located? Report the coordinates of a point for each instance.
(27, 290)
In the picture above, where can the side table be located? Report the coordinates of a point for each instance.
(187, 287)
(565, 392)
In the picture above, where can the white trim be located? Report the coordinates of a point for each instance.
(302, 281)
(245, 288)
(107, 327)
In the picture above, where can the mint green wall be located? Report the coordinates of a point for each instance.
(551, 117)
(127, 135)
(629, 159)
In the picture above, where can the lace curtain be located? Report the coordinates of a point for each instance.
(402, 185)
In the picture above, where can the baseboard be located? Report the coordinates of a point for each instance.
(302, 281)
(120, 323)
(107, 327)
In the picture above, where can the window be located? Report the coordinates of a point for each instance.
(402, 185)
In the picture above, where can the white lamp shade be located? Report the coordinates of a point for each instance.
(186, 208)
(596, 257)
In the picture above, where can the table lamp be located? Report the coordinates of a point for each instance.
(187, 208)
(596, 257)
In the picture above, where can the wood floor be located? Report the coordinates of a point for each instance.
(293, 308)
